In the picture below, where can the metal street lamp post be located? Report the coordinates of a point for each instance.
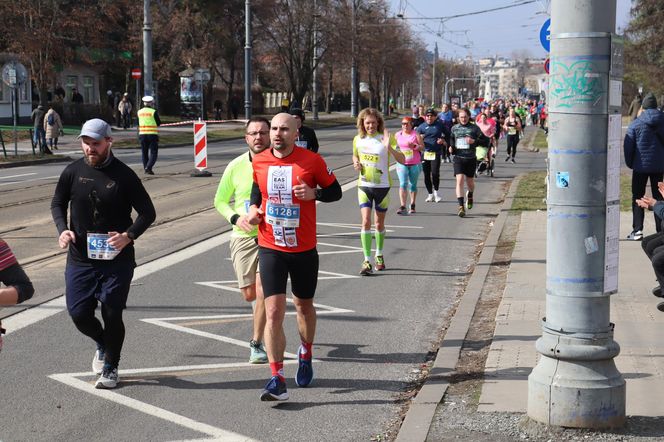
(247, 60)
(353, 66)
(314, 85)
(147, 50)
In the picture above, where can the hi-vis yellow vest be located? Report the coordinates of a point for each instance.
(147, 125)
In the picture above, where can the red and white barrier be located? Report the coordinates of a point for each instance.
(200, 145)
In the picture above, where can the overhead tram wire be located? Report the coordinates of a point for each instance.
(465, 14)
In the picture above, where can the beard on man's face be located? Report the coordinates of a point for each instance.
(96, 158)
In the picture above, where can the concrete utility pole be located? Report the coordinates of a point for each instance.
(147, 51)
(247, 59)
(576, 382)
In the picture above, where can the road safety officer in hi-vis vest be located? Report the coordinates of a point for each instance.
(148, 121)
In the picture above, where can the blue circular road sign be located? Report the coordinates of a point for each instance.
(545, 35)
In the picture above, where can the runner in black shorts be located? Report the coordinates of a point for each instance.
(464, 139)
(302, 268)
(465, 166)
(287, 183)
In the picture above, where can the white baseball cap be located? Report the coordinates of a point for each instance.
(148, 99)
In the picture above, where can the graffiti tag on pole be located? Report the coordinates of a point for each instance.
(578, 83)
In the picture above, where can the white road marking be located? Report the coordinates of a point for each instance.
(151, 410)
(16, 176)
(34, 179)
(35, 314)
(339, 245)
(173, 369)
(356, 226)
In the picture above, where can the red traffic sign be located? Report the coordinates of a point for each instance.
(136, 74)
(546, 65)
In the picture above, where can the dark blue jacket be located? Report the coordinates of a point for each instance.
(644, 143)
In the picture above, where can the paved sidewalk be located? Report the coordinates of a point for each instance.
(638, 324)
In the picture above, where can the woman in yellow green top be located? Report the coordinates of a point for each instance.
(372, 147)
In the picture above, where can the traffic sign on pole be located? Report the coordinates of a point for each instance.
(200, 149)
(545, 35)
(136, 73)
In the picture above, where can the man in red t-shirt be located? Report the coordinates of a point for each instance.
(287, 183)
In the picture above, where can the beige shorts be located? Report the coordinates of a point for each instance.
(244, 254)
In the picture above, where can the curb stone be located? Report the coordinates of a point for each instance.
(419, 416)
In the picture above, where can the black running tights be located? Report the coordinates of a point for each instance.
(110, 336)
(431, 169)
(512, 142)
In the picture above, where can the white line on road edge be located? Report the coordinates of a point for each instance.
(17, 176)
(31, 316)
(151, 410)
(34, 179)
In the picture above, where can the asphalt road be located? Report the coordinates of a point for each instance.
(184, 372)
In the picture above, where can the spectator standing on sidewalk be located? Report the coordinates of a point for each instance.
(38, 135)
(77, 106)
(17, 286)
(634, 107)
(116, 109)
(100, 192)
(124, 107)
(148, 121)
(644, 154)
(52, 127)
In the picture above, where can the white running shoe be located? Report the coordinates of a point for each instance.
(429, 198)
(437, 198)
(108, 379)
(98, 362)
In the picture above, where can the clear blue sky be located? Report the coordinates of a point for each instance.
(500, 32)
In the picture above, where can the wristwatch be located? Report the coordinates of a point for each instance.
(131, 235)
(319, 194)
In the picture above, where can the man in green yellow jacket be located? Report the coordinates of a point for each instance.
(236, 184)
(148, 121)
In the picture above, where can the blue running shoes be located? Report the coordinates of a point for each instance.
(305, 371)
(275, 390)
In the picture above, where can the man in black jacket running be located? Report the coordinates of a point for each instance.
(101, 191)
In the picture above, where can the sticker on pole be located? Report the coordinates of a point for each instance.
(562, 180)
(547, 63)
(200, 149)
(545, 35)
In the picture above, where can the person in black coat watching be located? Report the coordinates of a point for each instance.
(306, 136)
(644, 154)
